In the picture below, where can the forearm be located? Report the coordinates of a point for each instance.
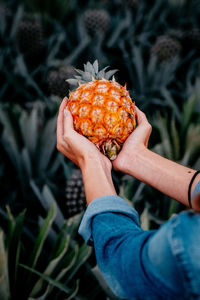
(165, 175)
(97, 179)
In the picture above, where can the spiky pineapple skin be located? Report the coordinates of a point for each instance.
(96, 21)
(166, 48)
(30, 36)
(103, 111)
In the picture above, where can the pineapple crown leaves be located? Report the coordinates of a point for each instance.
(90, 72)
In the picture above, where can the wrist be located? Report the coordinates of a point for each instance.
(134, 164)
(127, 162)
(97, 178)
(94, 161)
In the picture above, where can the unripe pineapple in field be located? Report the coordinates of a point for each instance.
(102, 109)
(166, 48)
(56, 80)
(30, 36)
(96, 21)
(75, 194)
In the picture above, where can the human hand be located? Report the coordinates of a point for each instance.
(136, 142)
(73, 145)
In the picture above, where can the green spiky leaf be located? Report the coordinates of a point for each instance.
(38, 245)
(50, 280)
(4, 281)
(51, 266)
(90, 71)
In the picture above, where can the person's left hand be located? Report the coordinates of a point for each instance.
(74, 145)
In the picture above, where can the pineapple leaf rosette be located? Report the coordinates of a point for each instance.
(102, 109)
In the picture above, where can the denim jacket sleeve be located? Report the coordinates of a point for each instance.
(112, 226)
(196, 189)
(105, 204)
(121, 248)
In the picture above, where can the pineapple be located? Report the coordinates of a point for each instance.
(75, 194)
(30, 36)
(166, 48)
(102, 109)
(56, 80)
(96, 21)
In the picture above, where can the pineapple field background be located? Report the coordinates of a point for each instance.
(155, 45)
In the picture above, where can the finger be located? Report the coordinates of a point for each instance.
(141, 117)
(142, 132)
(147, 138)
(63, 104)
(60, 119)
(68, 125)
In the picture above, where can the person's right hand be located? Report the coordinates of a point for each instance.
(137, 141)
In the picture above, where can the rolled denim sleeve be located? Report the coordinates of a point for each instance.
(112, 226)
(112, 204)
(139, 264)
(196, 189)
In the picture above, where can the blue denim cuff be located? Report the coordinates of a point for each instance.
(196, 189)
(105, 204)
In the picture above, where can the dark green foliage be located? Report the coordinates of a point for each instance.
(130, 3)
(28, 141)
(191, 38)
(42, 265)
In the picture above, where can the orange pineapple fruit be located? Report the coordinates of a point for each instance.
(102, 109)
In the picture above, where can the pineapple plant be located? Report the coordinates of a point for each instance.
(56, 80)
(96, 21)
(166, 48)
(30, 36)
(75, 194)
(102, 109)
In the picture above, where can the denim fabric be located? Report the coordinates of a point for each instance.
(196, 189)
(104, 204)
(144, 265)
